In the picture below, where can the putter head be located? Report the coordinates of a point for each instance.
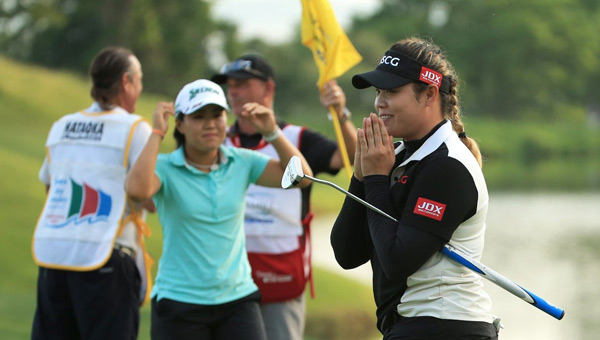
(293, 173)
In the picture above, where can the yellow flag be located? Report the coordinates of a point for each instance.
(333, 52)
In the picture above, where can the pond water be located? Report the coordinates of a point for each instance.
(548, 243)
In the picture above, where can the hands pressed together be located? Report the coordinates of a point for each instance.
(374, 149)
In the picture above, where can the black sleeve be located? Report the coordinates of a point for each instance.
(350, 238)
(318, 150)
(443, 196)
(403, 247)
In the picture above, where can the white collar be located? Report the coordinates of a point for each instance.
(95, 108)
(431, 144)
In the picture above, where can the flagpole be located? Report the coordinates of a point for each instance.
(340, 139)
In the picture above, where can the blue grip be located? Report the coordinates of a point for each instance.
(538, 302)
(545, 306)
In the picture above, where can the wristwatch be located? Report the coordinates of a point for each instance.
(346, 114)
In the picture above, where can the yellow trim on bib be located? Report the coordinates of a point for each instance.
(129, 138)
(143, 231)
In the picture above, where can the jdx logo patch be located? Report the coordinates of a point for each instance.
(429, 76)
(429, 208)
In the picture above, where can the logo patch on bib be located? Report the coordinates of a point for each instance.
(84, 204)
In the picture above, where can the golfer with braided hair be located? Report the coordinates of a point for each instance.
(431, 182)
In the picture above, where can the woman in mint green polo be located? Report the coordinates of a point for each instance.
(204, 288)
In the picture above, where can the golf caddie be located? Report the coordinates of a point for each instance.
(88, 242)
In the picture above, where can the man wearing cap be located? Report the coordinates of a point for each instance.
(89, 237)
(277, 221)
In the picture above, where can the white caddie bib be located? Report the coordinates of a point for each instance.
(273, 211)
(87, 155)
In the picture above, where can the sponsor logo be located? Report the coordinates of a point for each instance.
(86, 204)
(429, 76)
(271, 277)
(389, 60)
(429, 208)
(193, 93)
(250, 220)
(264, 204)
(196, 91)
(403, 179)
(83, 130)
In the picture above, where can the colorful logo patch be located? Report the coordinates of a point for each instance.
(86, 205)
(430, 76)
(429, 208)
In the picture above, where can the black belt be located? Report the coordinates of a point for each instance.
(125, 250)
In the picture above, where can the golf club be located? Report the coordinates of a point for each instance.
(294, 174)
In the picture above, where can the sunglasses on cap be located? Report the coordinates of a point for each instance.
(241, 65)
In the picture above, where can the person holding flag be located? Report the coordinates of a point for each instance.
(277, 221)
(332, 51)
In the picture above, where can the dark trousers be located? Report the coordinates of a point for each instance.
(429, 328)
(95, 305)
(240, 319)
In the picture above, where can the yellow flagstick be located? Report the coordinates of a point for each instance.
(340, 139)
(332, 51)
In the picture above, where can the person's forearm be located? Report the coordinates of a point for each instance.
(140, 183)
(349, 137)
(349, 134)
(349, 235)
(285, 150)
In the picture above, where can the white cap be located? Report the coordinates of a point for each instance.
(197, 95)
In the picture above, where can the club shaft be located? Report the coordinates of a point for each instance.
(461, 258)
(363, 202)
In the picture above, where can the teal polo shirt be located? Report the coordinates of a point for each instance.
(204, 257)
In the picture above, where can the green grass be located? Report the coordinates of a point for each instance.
(31, 99)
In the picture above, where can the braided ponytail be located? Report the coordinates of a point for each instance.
(451, 111)
(431, 56)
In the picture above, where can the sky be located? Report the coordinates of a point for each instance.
(275, 20)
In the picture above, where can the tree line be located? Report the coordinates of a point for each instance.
(536, 59)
